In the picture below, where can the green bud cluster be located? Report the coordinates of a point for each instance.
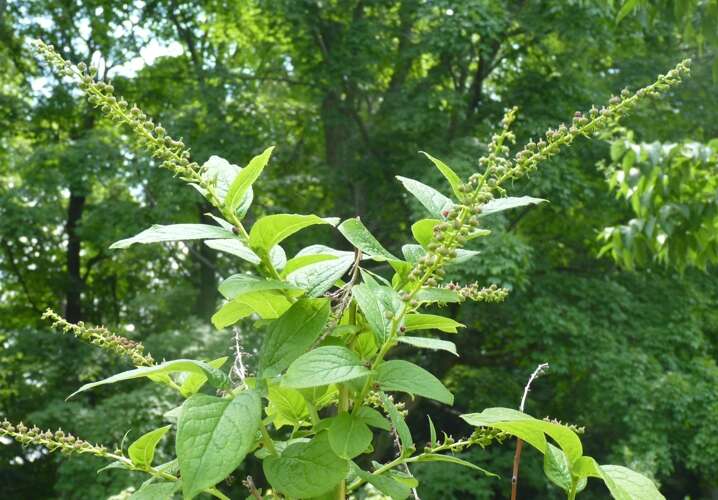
(575, 428)
(482, 436)
(101, 337)
(53, 441)
(490, 294)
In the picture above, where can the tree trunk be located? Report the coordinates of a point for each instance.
(73, 291)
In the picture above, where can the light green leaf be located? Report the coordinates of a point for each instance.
(319, 277)
(292, 334)
(437, 457)
(268, 304)
(142, 451)
(626, 9)
(387, 485)
(423, 230)
(400, 375)
(286, 406)
(501, 204)
(239, 284)
(220, 173)
(448, 173)
(557, 468)
(358, 235)
(215, 377)
(234, 247)
(432, 431)
(174, 232)
(429, 343)
(213, 437)
(156, 491)
(273, 229)
(301, 261)
(305, 470)
(194, 381)
(372, 417)
(349, 436)
(323, 366)
(245, 178)
(625, 484)
(397, 421)
(430, 198)
(377, 303)
(431, 322)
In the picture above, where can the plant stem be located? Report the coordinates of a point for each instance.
(267, 440)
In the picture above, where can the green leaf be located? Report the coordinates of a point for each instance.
(557, 468)
(272, 229)
(349, 436)
(215, 377)
(377, 303)
(194, 381)
(319, 277)
(239, 284)
(397, 421)
(387, 485)
(413, 253)
(292, 334)
(429, 343)
(301, 261)
(213, 437)
(221, 174)
(142, 451)
(448, 173)
(625, 484)
(305, 470)
(358, 235)
(372, 417)
(268, 304)
(245, 178)
(323, 366)
(234, 247)
(501, 204)
(286, 406)
(423, 230)
(174, 232)
(431, 322)
(437, 295)
(437, 457)
(400, 375)
(163, 490)
(432, 431)
(626, 9)
(430, 198)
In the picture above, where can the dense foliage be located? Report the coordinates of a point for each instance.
(351, 91)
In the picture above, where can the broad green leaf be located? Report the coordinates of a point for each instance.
(430, 198)
(305, 470)
(301, 261)
(379, 304)
(431, 322)
(358, 235)
(625, 484)
(324, 366)
(437, 457)
(194, 381)
(429, 343)
(163, 490)
(286, 406)
(142, 451)
(234, 247)
(239, 284)
(437, 296)
(557, 468)
(423, 230)
(400, 375)
(387, 485)
(349, 436)
(213, 437)
(245, 178)
(220, 173)
(319, 277)
(292, 334)
(397, 421)
(448, 173)
(273, 229)
(372, 417)
(268, 304)
(174, 232)
(365, 344)
(215, 377)
(586, 467)
(501, 204)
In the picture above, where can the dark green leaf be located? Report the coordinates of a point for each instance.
(431, 322)
(349, 435)
(378, 303)
(557, 468)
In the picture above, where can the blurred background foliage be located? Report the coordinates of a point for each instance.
(613, 283)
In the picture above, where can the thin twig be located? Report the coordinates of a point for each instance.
(238, 371)
(249, 484)
(519, 443)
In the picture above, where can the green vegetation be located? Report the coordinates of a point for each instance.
(303, 383)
